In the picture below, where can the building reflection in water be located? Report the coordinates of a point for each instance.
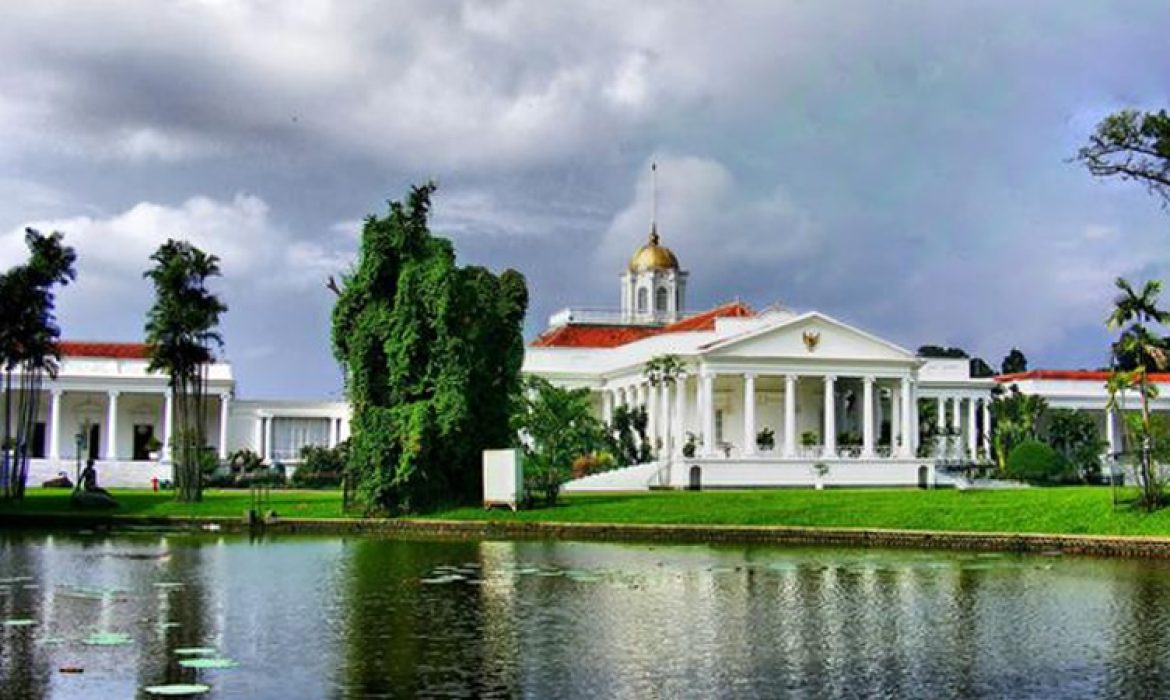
(373, 617)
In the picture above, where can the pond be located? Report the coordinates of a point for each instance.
(107, 616)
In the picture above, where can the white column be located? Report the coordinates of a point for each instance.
(749, 413)
(956, 415)
(268, 439)
(895, 419)
(680, 414)
(867, 418)
(55, 424)
(225, 404)
(112, 426)
(987, 427)
(663, 422)
(972, 429)
(790, 415)
(942, 414)
(607, 406)
(830, 426)
(651, 413)
(905, 406)
(914, 417)
(168, 423)
(334, 428)
(708, 383)
(1111, 431)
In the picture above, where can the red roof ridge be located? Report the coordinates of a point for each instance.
(612, 335)
(118, 350)
(1081, 375)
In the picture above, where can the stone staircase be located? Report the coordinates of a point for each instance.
(637, 477)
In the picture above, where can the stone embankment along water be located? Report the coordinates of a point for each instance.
(1091, 545)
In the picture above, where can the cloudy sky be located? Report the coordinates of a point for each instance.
(899, 165)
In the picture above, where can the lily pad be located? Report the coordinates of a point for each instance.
(19, 623)
(195, 651)
(178, 689)
(208, 663)
(107, 639)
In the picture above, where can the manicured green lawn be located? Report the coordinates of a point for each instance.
(1072, 510)
(219, 503)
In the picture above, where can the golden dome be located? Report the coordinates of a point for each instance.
(653, 256)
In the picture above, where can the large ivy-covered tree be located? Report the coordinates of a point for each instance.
(431, 353)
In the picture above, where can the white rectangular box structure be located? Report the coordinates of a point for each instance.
(503, 478)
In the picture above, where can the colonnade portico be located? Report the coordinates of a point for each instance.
(702, 402)
(108, 419)
(965, 416)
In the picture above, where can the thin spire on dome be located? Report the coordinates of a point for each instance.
(654, 204)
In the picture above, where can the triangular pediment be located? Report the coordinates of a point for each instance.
(809, 336)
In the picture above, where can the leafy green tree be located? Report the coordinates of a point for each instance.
(431, 353)
(1134, 146)
(940, 352)
(1014, 363)
(28, 347)
(980, 369)
(554, 426)
(1132, 311)
(1074, 435)
(1015, 417)
(182, 335)
(628, 441)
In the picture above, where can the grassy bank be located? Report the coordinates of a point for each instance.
(217, 503)
(1073, 510)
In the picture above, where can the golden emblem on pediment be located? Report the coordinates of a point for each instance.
(811, 339)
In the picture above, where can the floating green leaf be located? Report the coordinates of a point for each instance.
(107, 639)
(19, 623)
(195, 651)
(178, 689)
(208, 663)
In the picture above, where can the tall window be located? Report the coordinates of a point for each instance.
(660, 300)
(643, 300)
(718, 426)
(289, 435)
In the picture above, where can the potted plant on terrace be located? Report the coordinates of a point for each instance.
(153, 448)
(766, 440)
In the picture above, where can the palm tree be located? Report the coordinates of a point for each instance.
(1132, 310)
(28, 345)
(180, 332)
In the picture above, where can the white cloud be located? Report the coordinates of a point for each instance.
(257, 255)
(709, 220)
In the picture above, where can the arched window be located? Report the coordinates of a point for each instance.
(643, 300)
(660, 300)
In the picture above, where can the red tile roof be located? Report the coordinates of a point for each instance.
(1077, 375)
(115, 351)
(706, 320)
(592, 335)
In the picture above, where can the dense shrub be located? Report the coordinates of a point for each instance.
(321, 467)
(1035, 462)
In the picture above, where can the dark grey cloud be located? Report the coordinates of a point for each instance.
(899, 165)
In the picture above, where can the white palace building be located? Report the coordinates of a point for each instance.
(105, 405)
(842, 404)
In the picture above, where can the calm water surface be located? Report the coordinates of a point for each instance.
(337, 617)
